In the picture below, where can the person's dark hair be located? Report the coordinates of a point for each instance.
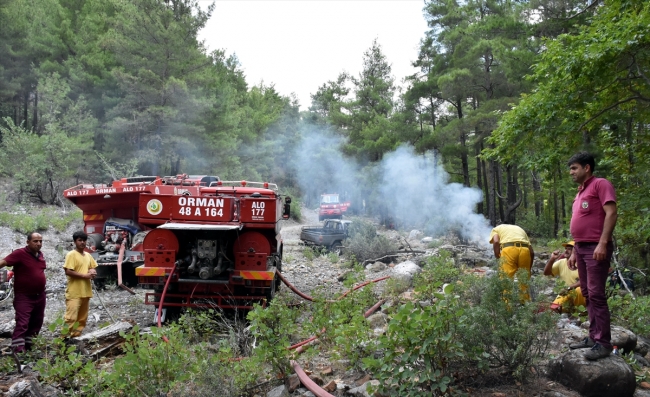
(583, 158)
(30, 236)
(79, 235)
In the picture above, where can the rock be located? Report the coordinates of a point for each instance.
(472, 259)
(280, 391)
(607, 377)
(362, 380)
(317, 379)
(331, 386)
(407, 268)
(414, 234)
(641, 392)
(326, 371)
(362, 391)
(427, 240)
(623, 338)
(641, 360)
(376, 267)
(292, 383)
(7, 329)
(642, 346)
(377, 320)
(644, 385)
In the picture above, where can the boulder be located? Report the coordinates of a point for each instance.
(407, 268)
(376, 267)
(280, 391)
(623, 338)
(608, 377)
(642, 346)
(472, 259)
(377, 320)
(362, 390)
(414, 234)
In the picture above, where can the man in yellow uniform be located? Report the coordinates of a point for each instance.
(512, 246)
(557, 266)
(80, 269)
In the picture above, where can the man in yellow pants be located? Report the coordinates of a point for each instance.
(512, 246)
(557, 266)
(80, 268)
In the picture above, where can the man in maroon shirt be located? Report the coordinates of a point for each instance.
(29, 291)
(592, 224)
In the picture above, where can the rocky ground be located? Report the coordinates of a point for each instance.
(115, 304)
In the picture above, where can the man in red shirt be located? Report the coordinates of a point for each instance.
(592, 223)
(29, 291)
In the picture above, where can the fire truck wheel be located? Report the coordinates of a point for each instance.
(320, 218)
(271, 294)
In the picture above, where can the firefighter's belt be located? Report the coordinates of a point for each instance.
(524, 245)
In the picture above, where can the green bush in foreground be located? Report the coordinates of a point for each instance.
(419, 348)
(508, 331)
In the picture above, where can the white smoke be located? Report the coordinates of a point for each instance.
(413, 190)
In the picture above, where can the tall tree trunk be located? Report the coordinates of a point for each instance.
(556, 206)
(499, 178)
(479, 177)
(491, 186)
(463, 146)
(35, 118)
(537, 188)
(511, 198)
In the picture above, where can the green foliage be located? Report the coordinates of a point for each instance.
(272, 328)
(438, 270)
(419, 347)
(364, 243)
(39, 220)
(395, 286)
(629, 313)
(152, 365)
(348, 334)
(308, 253)
(62, 364)
(507, 330)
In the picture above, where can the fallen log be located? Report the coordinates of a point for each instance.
(101, 342)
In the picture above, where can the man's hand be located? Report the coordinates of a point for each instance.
(600, 253)
(92, 273)
(571, 262)
(555, 254)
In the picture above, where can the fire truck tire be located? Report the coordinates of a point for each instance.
(320, 218)
(274, 287)
(173, 312)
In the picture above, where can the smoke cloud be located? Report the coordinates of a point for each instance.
(409, 190)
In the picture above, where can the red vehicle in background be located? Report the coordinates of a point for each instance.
(196, 240)
(331, 207)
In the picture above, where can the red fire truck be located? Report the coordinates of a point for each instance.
(202, 241)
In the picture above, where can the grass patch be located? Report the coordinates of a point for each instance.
(39, 220)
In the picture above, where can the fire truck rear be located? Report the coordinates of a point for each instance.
(208, 242)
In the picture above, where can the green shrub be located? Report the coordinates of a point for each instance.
(39, 220)
(272, 328)
(438, 270)
(308, 253)
(509, 332)
(419, 347)
(364, 243)
(63, 365)
(348, 333)
(632, 314)
(151, 365)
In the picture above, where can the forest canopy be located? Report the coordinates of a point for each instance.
(505, 93)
